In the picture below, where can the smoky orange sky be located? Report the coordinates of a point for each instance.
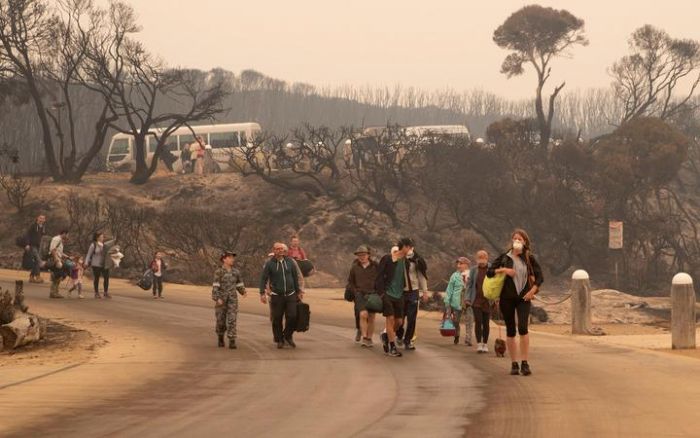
(434, 44)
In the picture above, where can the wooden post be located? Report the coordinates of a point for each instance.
(580, 303)
(682, 312)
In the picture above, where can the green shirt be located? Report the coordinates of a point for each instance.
(395, 289)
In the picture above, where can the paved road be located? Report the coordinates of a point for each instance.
(330, 387)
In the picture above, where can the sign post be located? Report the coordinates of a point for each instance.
(615, 242)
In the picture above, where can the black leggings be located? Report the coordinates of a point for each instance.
(509, 307)
(96, 273)
(481, 324)
(157, 285)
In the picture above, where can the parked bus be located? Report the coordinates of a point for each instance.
(223, 138)
(364, 145)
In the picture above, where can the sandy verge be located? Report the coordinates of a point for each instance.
(100, 359)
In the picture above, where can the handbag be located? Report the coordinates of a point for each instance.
(374, 303)
(493, 286)
(349, 295)
(447, 327)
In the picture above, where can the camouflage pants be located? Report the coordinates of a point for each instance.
(226, 316)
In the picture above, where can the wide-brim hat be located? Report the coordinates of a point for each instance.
(362, 249)
(226, 254)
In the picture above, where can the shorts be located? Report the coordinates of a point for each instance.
(393, 306)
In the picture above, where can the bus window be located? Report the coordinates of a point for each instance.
(171, 143)
(224, 140)
(120, 147)
(152, 144)
(189, 139)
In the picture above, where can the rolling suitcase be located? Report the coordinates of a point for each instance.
(303, 317)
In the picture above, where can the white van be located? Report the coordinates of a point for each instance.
(223, 138)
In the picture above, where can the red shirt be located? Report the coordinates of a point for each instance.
(297, 253)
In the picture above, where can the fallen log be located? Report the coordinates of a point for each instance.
(24, 329)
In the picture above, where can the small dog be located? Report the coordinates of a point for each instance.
(499, 347)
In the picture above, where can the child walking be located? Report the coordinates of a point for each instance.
(76, 276)
(455, 292)
(158, 266)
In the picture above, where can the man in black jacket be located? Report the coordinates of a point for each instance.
(281, 275)
(416, 281)
(33, 241)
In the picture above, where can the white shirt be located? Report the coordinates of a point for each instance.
(57, 244)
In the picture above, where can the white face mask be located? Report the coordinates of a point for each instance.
(518, 245)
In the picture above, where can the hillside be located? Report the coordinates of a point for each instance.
(166, 213)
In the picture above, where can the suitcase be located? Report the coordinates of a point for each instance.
(303, 317)
(146, 280)
(28, 260)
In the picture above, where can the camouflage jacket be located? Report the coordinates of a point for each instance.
(226, 283)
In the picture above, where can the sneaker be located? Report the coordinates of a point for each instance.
(98, 296)
(514, 369)
(468, 343)
(291, 343)
(456, 340)
(385, 342)
(410, 345)
(280, 345)
(484, 348)
(358, 336)
(394, 352)
(525, 368)
(399, 342)
(80, 296)
(367, 343)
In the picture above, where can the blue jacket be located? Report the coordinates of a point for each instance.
(471, 284)
(455, 291)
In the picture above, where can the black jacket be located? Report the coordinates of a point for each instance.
(534, 275)
(385, 274)
(34, 235)
(421, 265)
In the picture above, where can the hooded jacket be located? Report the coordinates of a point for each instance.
(282, 275)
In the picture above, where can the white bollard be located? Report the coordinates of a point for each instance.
(682, 312)
(580, 303)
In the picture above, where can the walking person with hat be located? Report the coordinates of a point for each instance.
(363, 274)
(227, 281)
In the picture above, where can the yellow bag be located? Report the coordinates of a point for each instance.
(493, 286)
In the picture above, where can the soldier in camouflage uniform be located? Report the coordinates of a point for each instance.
(227, 280)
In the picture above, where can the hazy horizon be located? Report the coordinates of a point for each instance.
(436, 45)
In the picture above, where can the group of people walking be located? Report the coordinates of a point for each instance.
(392, 286)
(43, 252)
(400, 278)
(281, 287)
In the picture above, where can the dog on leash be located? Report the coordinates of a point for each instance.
(499, 347)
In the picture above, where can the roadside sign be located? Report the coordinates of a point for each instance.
(615, 235)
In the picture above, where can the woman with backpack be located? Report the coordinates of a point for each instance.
(523, 278)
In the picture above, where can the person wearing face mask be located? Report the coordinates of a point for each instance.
(522, 282)
(480, 306)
